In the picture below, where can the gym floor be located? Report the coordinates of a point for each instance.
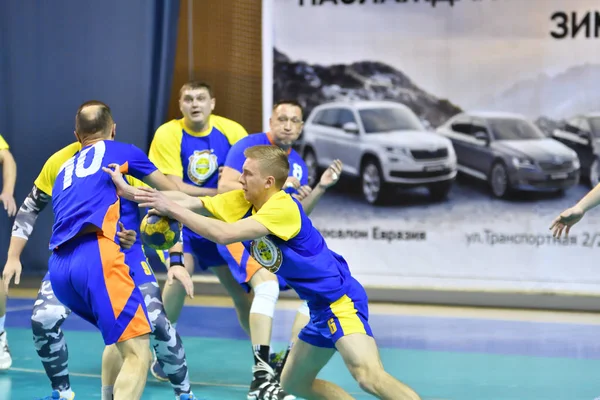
(444, 353)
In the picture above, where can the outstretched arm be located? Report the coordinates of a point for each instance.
(211, 228)
(572, 215)
(25, 220)
(9, 178)
(329, 178)
(218, 231)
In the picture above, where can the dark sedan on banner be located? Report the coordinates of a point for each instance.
(510, 153)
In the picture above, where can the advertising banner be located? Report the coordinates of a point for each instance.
(464, 126)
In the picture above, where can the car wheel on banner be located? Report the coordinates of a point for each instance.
(310, 159)
(595, 173)
(499, 180)
(372, 184)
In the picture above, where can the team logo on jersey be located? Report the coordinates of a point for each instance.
(267, 254)
(201, 166)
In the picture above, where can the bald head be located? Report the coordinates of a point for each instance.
(93, 118)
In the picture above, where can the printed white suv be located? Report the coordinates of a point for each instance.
(382, 143)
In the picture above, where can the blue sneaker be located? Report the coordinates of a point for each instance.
(56, 396)
(157, 371)
(187, 396)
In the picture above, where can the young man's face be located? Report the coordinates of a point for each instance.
(196, 105)
(254, 183)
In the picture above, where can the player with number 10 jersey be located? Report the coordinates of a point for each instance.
(87, 268)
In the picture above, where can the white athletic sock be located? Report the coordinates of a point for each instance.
(2, 320)
(107, 393)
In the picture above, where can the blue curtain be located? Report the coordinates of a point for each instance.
(57, 54)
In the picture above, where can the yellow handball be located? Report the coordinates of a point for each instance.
(160, 233)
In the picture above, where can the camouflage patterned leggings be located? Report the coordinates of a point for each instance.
(49, 314)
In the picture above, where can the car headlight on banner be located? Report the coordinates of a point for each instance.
(398, 153)
(521, 163)
(451, 153)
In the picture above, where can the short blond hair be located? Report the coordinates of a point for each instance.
(273, 162)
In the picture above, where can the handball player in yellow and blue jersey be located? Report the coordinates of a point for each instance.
(276, 231)
(285, 126)
(190, 151)
(9, 179)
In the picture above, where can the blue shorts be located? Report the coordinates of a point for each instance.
(89, 275)
(157, 259)
(204, 251)
(347, 315)
(242, 265)
(140, 269)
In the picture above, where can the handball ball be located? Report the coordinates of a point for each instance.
(160, 233)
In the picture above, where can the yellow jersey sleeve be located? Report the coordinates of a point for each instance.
(135, 182)
(50, 170)
(281, 216)
(231, 129)
(3, 144)
(229, 207)
(165, 149)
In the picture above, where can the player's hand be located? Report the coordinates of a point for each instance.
(331, 175)
(292, 182)
(126, 236)
(156, 201)
(117, 178)
(180, 273)
(12, 268)
(566, 220)
(9, 204)
(303, 192)
(220, 172)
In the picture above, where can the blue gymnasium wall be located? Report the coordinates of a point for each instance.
(56, 54)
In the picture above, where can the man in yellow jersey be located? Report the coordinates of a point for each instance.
(9, 178)
(190, 151)
(274, 228)
(49, 314)
(285, 126)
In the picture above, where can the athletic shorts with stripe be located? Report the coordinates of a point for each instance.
(347, 315)
(89, 276)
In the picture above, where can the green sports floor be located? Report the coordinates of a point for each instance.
(442, 352)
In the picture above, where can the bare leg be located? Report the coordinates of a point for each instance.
(131, 380)
(111, 365)
(301, 370)
(241, 299)
(5, 357)
(361, 356)
(302, 318)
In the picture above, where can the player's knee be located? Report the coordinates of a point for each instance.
(265, 298)
(47, 317)
(294, 386)
(367, 376)
(162, 329)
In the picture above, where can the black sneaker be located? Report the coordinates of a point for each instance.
(264, 386)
